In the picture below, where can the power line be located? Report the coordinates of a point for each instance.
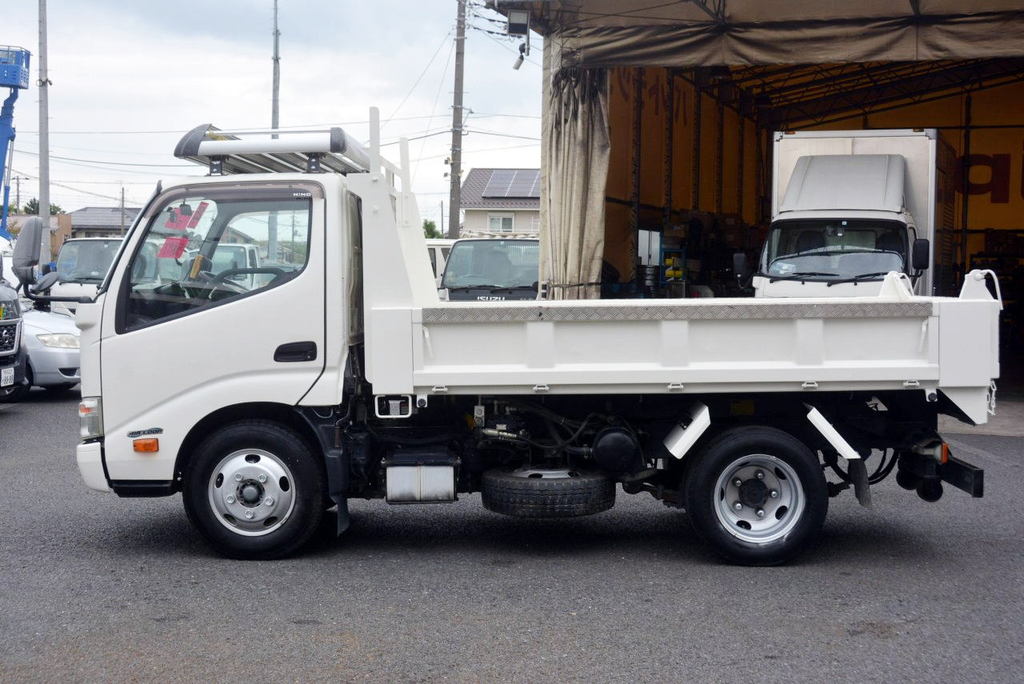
(418, 79)
(112, 163)
(480, 131)
(508, 47)
(433, 107)
(179, 131)
(73, 189)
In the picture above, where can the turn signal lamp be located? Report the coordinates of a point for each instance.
(149, 445)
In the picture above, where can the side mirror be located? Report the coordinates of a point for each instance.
(920, 255)
(26, 250)
(46, 282)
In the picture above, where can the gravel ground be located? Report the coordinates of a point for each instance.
(100, 588)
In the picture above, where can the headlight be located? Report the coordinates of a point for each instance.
(9, 310)
(59, 340)
(90, 417)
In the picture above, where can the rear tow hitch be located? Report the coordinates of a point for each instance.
(924, 470)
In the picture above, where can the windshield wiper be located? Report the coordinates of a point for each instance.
(799, 275)
(859, 277)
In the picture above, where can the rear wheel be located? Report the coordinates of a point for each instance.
(757, 494)
(254, 490)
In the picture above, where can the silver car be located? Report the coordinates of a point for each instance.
(51, 341)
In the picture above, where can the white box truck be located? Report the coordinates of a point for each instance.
(849, 207)
(345, 376)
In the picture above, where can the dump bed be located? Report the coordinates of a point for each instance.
(894, 341)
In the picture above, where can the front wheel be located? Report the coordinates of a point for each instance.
(254, 490)
(757, 494)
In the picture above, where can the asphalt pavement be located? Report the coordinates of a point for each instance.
(97, 588)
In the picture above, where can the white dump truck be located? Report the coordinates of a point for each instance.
(849, 207)
(343, 376)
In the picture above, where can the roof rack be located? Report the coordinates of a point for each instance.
(273, 151)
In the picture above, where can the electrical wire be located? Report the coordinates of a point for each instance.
(433, 108)
(512, 49)
(418, 79)
(111, 163)
(480, 131)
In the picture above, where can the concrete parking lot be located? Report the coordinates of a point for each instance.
(100, 588)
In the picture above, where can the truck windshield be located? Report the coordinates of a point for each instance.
(827, 249)
(492, 263)
(86, 261)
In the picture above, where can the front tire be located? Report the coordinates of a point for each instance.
(254, 490)
(757, 495)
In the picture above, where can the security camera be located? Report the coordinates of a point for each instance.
(521, 58)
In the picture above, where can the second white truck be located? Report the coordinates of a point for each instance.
(848, 207)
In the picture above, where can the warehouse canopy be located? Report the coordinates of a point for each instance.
(775, 62)
(692, 33)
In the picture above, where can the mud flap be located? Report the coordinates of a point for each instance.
(343, 518)
(859, 476)
(337, 484)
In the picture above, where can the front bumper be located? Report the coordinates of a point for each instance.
(18, 361)
(90, 464)
(54, 366)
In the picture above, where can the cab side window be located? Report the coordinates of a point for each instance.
(200, 251)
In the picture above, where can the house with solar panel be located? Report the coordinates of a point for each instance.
(501, 203)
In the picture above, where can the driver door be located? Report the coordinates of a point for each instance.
(189, 328)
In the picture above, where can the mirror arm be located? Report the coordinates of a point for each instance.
(47, 298)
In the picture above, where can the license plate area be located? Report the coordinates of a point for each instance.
(6, 377)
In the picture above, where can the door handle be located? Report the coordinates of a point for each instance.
(295, 352)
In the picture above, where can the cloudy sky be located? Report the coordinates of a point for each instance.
(130, 76)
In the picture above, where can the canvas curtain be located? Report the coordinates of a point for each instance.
(574, 163)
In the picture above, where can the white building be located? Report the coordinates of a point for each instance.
(501, 203)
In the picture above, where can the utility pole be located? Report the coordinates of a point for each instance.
(44, 139)
(455, 202)
(274, 105)
(274, 123)
(122, 211)
(17, 191)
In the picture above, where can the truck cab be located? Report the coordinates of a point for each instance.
(82, 264)
(849, 207)
(491, 270)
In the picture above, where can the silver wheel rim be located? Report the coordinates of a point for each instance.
(252, 492)
(759, 499)
(544, 473)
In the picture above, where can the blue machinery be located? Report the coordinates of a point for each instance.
(13, 75)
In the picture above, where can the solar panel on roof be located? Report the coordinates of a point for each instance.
(513, 183)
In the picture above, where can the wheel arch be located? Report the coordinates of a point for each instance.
(269, 411)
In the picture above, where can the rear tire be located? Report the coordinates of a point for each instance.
(254, 490)
(545, 493)
(757, 495)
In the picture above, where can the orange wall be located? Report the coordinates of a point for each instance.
(996, 198)
(719, 190)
